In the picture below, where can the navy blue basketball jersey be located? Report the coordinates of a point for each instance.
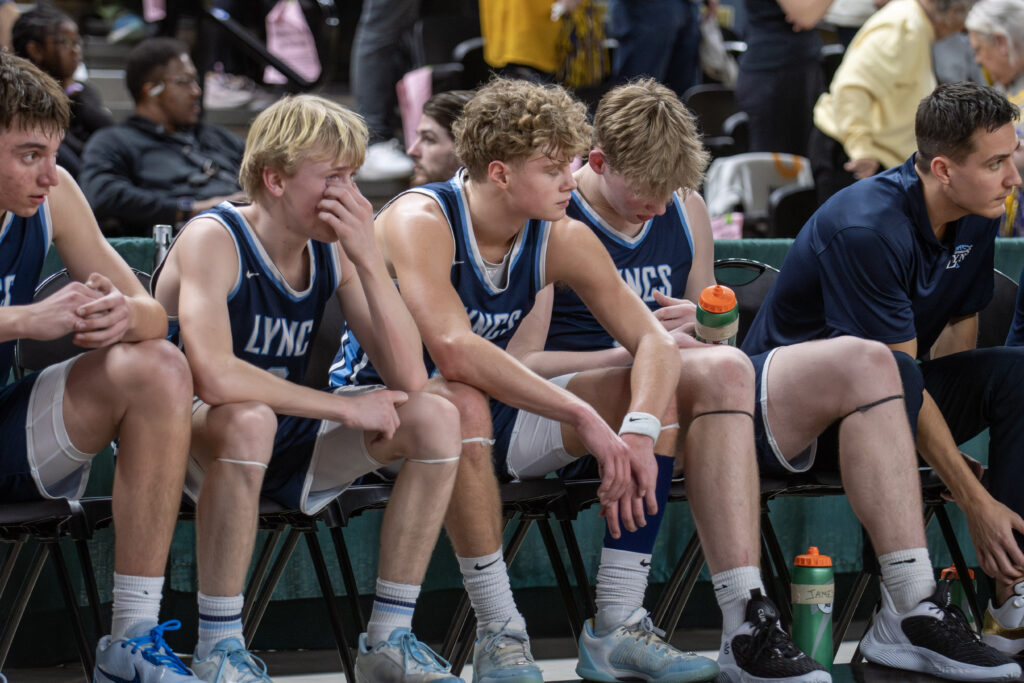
(272, 324)
(23, 246)
(659, 258)
(494, 311)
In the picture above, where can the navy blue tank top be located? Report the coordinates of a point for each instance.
(23, 246)
(494, 311)
(272, 324)
(659, 258)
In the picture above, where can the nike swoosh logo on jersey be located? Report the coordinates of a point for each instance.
(645, 563)
(118, 679)
(249, 274)
(479, 568)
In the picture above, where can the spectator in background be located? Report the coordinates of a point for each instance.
(521, 36)
(49, 39)
(780, 73)
(996, 31)
(865, 122)
(658, 38)
(161, 165)
(8, 15)
(433, 152)
(377, 65)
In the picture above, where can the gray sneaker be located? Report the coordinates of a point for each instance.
(634, 650)
(400, 659)
(502, 655)
(230, 662)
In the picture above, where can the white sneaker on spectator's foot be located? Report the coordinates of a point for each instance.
(502, 655)
(634, 650)
(400, 659)
(141, 657)
(934, 638)
(226, 91)
(759, 651)
(385, 161)
(230, 662)
(1004, 625)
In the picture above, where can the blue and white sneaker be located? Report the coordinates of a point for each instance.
(634, 650)
(502, 655)
(142, 657)
(400, 659)
(230, 662)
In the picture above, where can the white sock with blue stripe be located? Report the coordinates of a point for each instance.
(219, 618)
(393, 606)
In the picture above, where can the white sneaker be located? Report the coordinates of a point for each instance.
(385, 161)
(400, 659)
(934, 638)
(634, 650)
(502, 655)
(230, 662)
(759, 650)
(226, 91)
(141, 657)
(1004, 625)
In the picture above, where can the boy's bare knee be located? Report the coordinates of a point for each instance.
(433, 427)
(155, 366)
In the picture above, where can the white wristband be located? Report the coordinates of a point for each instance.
(641, 423)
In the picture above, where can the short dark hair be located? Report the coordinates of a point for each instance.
(948, 118)
(30, 98)
(146, 57)
(37, 24)
(445, 107)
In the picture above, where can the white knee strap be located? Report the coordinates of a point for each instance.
(242, 462)
(479, 439)
(438, 461)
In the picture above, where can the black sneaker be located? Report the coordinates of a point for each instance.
(760, 650)
(934, 638)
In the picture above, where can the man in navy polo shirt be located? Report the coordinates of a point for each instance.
(906, 258)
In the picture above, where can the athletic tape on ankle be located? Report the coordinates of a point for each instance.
(243, 462)
(438, 461)
(868, 406)
(479, 439)
(641, 423)
(725, 412)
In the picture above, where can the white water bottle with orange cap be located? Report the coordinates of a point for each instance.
(718, 316)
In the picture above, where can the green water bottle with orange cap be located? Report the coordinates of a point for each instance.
(718, 316)
(813, 591)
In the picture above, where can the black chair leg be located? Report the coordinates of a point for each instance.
(842, 624)
(692, 574)
(348, 577)
(960, 563)
(85, 648)
(21, 601)
(562, 578)
(10, 560)
(262, 598)
(89, 574)
(327, 590)
(674, 582)
(259, 570)
(572, 547)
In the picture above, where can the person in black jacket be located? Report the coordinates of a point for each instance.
(161, 165)
(49, 39)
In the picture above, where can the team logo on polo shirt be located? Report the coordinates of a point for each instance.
(960, 252)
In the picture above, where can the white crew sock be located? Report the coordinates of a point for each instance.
(393, 607)
(621, 584)
(732, 591)
(136, 601)
(908, 577)
(220, 617)
(486, 580)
